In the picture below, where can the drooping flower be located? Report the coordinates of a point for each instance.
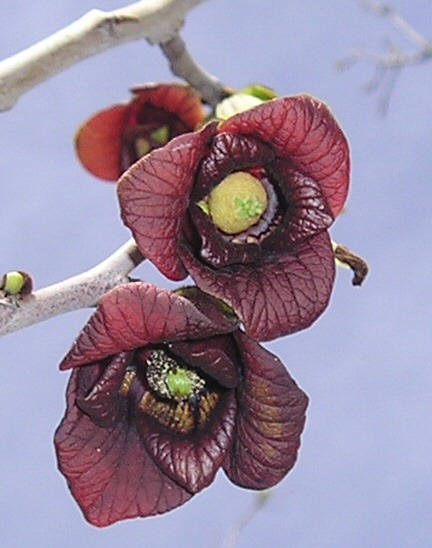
(165, 391)
(244, 207)
(113, 139)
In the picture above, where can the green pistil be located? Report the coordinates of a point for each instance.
(142, 147)
(248, 208)
(236, 203)
(160, 135)
(180, 384)
(171, 380)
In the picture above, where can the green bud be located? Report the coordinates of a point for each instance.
(262, 92)
(239, 102)
(13, 282)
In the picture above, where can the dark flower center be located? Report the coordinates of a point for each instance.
(170, 380)
(171, 392)
(148, 128)
(156, 138)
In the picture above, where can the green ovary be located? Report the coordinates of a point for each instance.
(248, 208)
(181, 383)
(237, 203)
(161, 135)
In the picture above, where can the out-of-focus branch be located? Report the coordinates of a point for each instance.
(405, 29)
(182, 64)
(81, 291)
(155, 20)
(388, 66)
(259, 501)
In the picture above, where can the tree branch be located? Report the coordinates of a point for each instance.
(211, 89)
(81, 291)
(258, 503)
(388, 66)
(155, 20)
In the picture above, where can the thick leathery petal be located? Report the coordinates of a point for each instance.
(104, 403)
(178, 99)
(192, 461)
(215, 356)
(216, 249)
(154, 196)
(108, 471)
(228, 153)
(302, 129)
(277, 297)
(307, 214)
(270, 419)
(137, 314)
(98, 142)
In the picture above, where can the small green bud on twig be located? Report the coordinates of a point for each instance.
(16, 284)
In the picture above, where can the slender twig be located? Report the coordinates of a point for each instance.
(389, 65)
(182, 64)
(81, 291)
(398, 22)
(258, 503)
(155, 20)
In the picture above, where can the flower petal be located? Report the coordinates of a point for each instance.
(214, 356)
(98, 142)
(136, 314)
(302, 129)
(270, 419)
(178, 99)
(154, 196)
(192, 461)
(228, 153)
(308, 212)
(108, 470)
(104, 404)
(277, 297)
(216, 249)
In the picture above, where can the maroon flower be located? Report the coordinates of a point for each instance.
(166, 390)
(243, 207)
(113, 139)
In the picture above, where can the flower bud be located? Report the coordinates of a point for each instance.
(16, 284)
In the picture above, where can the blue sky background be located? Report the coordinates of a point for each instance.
(364, 473)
